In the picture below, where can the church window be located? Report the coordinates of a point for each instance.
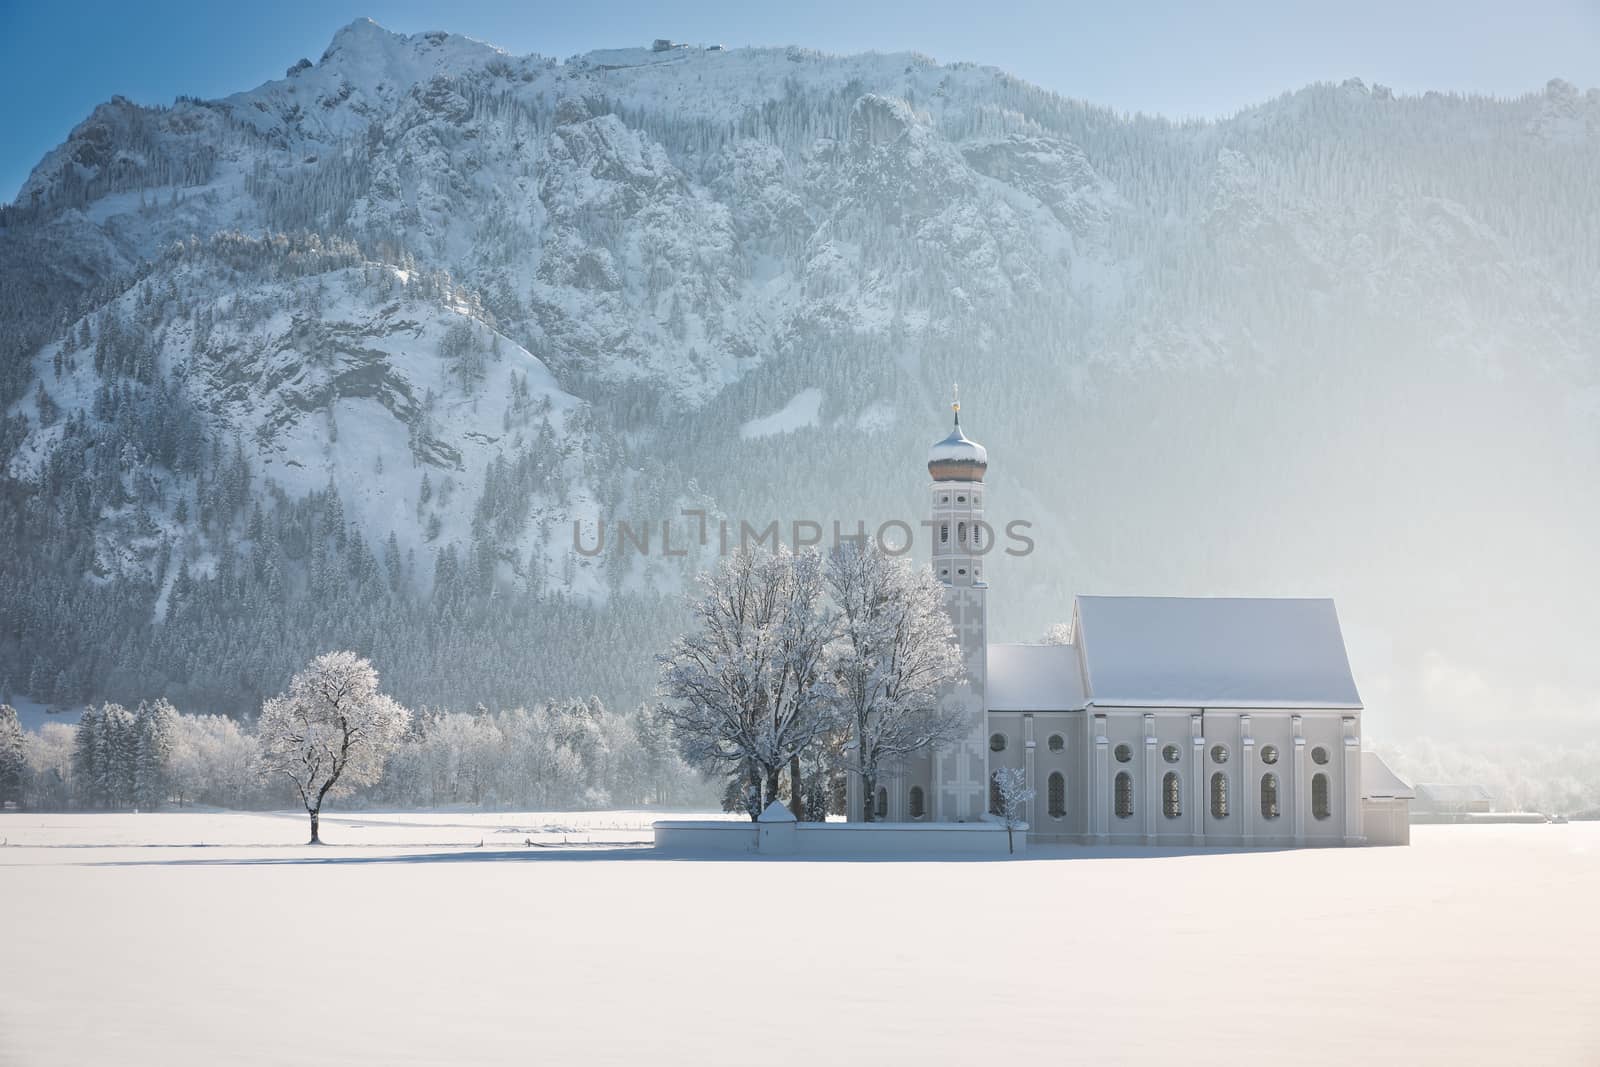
(1319, 797)
(1171, 754)
(944, 533)
(1123, 753)
(1269, 754)
(1057, 790)
(977, 499)
(961, 532)
(997, 742)
(961, 500)
(944, 499)
(1172, 795)
(883, 803)
(995, 801)
(1124, 795)
(1319, 756)
(1219, 753)
(1219, 795)
(1057, 743)
(1269, 796)
(917, 808)
(944, 572)
(961, 570)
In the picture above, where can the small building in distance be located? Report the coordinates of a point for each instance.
(1449, 798)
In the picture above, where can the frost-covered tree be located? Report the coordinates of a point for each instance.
(896, 655)
(13, 755)
(1012, 792)
(154, 725)
(331, 732)
(747, 687)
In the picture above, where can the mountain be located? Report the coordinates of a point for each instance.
(341, 359)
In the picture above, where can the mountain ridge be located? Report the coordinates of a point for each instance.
(1202, 317)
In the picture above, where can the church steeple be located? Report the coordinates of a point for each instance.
(957, 465)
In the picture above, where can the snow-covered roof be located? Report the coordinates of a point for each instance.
(1223, 652)
(1453, 793)
(1034, 678)
(776, 812)
(1377, 780)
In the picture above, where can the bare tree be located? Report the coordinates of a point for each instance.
(746, 687)
(897, 655)
(332, 731)
(1012, 785)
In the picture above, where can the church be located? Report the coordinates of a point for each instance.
(1213, 721)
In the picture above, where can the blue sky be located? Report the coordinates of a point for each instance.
(57, 60)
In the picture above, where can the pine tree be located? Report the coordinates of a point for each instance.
(13, 756)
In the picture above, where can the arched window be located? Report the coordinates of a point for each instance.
(1124, 795)
(1269, 796)
(961, 532)
(1057, 743)
(1058, 795)
(917, 809)
(944, 533)
(1219, 795)
(997, 742)
(1319, 797)
(883, 803)
(995, 803)
(1172, 795)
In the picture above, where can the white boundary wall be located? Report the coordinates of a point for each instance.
(859, 839)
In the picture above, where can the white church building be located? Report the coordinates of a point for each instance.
(1222, 721)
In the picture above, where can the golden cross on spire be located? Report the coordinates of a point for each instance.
(955, 397)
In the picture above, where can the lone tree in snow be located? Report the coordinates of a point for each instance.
(1011, 789)
(747, 686)
(332, 731)
(896, 654)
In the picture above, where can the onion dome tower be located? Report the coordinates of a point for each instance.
(957, 465)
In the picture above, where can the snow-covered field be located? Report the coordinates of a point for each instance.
(405, 942)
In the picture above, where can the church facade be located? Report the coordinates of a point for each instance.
(1222, 721)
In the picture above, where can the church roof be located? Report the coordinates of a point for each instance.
(1220, 652)
(1033, 678)
(1377, 780)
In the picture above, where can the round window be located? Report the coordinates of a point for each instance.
(1057, 743)
(1269, 754)
(1171, 754)
(1123, 753)
(1319, 756)
(1219, 753)
(997, 742)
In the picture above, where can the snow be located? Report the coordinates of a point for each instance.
(1227, 652)
(607, 956)
(801, 411)
(1034, 678)
(34, 715)
(1377, 780)
(777, 812)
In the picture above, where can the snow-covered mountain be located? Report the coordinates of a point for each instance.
(1341, 343)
